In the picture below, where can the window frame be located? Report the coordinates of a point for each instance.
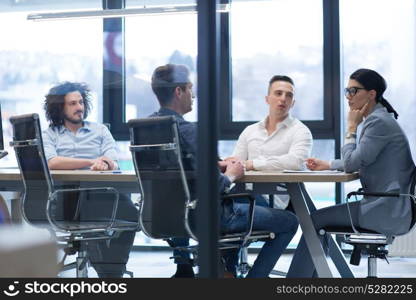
(321, 129)
(114, 81)
(328, 128)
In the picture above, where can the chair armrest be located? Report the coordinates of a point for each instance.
(360, 192)
(248, 196)
(252, 204)
(77, 192)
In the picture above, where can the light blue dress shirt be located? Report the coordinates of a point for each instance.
(90, 141)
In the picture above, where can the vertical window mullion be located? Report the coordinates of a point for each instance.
(114, 77)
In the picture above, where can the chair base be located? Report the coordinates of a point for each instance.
(80, 264)
(374, 247)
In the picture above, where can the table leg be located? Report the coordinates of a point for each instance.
(339, 260)
(334, 250)
(15, 208)
(4, 211)
(311, 238)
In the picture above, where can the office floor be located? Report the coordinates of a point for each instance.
(156, 264)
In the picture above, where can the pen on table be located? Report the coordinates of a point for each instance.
(111, 172)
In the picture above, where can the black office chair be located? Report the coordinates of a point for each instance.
(166, 205)
(70, 214)
(367, 241)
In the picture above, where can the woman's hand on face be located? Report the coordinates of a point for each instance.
(355, 117)
(316, 164)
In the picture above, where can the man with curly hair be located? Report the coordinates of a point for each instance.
(70, 141)
(73, 143)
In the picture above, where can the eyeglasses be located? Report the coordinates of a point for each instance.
(351, 91)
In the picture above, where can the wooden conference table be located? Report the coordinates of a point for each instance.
(253, 181)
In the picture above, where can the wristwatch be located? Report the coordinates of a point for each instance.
(350, 135)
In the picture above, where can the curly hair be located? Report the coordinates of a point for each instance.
(55, 101)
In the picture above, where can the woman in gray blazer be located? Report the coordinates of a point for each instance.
(377, 148)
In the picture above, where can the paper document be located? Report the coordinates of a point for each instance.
(309, 171)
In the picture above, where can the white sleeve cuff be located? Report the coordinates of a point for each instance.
(259, 164)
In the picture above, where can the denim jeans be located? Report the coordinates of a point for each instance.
(283, 223)
(180, 256)
(183, 257)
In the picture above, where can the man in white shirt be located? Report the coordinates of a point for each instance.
(278, 142)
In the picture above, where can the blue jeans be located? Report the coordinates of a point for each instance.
(180, 256)
(283, 223)
(183, 257)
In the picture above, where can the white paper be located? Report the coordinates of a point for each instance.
(309, 171)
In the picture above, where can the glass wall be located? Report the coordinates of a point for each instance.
(152, 41)
(267, 37)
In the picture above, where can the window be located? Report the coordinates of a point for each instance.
(148, 49)
(287, 38)
(269, 38)
(36, 55)
(152, 41)
(381, 35)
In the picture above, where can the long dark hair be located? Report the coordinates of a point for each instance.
(371, 80)
(55, 101)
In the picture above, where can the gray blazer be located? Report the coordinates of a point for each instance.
(383, 159)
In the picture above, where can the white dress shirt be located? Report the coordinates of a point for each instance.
(285, 149)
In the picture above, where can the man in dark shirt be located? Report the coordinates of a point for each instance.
(173, 89)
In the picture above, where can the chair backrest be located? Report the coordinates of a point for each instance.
(412, 200)
(164, 188)
(38, 184)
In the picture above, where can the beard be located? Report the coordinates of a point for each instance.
(74, 121)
